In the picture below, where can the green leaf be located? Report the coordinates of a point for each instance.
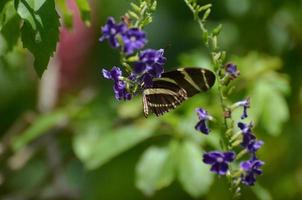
(261, 192)
(193, 174)
(2, 4)
(40, 32)
(96, 148)
(9, 28)
(41, 125)
(156, 168)
(67, 14)
(84, 10)
(269, 106)
(35, 4)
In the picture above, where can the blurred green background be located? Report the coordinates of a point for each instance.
(66, 137)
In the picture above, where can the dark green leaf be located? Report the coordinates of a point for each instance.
(9, 28)
(40, 32)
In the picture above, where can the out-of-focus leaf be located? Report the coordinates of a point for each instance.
(261, 192)
(267, 89)
(84, 8)
(130, 109)
(196, 59)
(97, 148)
(156, 168)
(254, 65)
(2, 5)
(9, 28)
(269, 107)
(41, 125)
(40, 32)
(193, 174)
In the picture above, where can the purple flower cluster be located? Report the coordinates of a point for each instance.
(131, 39)
(251, 145)
(119, 86)
(148, 65)
(219, 160)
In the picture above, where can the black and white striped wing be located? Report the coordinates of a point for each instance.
(174, 87)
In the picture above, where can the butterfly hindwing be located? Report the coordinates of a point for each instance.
(174, 87)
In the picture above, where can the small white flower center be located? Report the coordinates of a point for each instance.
(220, 160)
(112, 31)
(133, 39)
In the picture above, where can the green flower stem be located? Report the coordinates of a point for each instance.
(217, 59)
(241, 153)
(235, 136)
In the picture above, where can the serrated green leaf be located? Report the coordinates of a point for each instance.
(40, 32)
(9, 28)
(193, 174)
(96, 148)
(84, 8)
(156, 168)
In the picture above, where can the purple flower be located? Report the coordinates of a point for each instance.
(219, 161)
(232, 71)
(254, 145)
(245, 128)
(111, 30)
(120, 91)
(203, 120)
(114, 74)
(251, 168)
(245, 104)
(149, 66)
(133, 39)
(119, 87)
(249, 140)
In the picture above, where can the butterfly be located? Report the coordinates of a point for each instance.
(174, 87)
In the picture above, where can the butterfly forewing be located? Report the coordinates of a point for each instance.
(174, 87)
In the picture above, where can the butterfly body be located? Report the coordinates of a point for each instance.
(174, 87)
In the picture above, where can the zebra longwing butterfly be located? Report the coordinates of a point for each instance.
(174, 87)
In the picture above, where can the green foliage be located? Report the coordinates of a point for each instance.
(95, 147)
(156, 168)
(141, 13)
(65, 12)
(40, 26)
(193, 175)
(84, 10)
(41, 125)
(267, 90)
(40, 32)
(9, 31)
